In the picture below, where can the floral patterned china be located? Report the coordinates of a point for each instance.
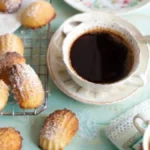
(119, 6)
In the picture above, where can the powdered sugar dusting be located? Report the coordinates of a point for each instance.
(55, 124)
(32, 12)
(89, 128)
(12, 5)
(6, 62)
(22, 74)
(51, 127)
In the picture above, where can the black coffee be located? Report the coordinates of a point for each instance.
(100, 57)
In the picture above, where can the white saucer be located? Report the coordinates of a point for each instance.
(63, 81)
(11, 22)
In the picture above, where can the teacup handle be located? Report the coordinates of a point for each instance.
(69, 26)
(136, 124)
(145, 39)
(140, 77)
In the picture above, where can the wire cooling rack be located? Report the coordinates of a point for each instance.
(36, 44)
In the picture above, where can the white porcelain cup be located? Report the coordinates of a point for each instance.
(143, 131)
(74, 30)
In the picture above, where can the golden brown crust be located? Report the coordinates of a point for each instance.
(58, 130)
(33, 16)
(6, 62)
(2, 7)
(26, 86)
(10, 139)
(10, 6)
(4, 94)
(11, 43)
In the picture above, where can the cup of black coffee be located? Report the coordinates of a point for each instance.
(99, 54)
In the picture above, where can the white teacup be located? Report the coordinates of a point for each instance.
(144, 132)
(74, 30)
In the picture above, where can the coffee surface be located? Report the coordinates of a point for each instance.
(99, 57)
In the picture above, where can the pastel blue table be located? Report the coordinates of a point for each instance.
(93, 120)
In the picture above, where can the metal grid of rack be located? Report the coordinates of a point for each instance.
(36, 44)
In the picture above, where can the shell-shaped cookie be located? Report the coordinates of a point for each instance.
(11, 43)
(10, 5)
(4, 94)
(26, 86)
(38, 14)
(6, 62)
(58, 130)
(10, 139)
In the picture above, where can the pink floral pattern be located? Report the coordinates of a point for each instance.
(112, 4)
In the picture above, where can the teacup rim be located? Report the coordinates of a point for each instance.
(69, 66)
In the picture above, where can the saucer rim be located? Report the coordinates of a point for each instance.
(79, 98)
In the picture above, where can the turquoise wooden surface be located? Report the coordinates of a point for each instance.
(93, 119)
